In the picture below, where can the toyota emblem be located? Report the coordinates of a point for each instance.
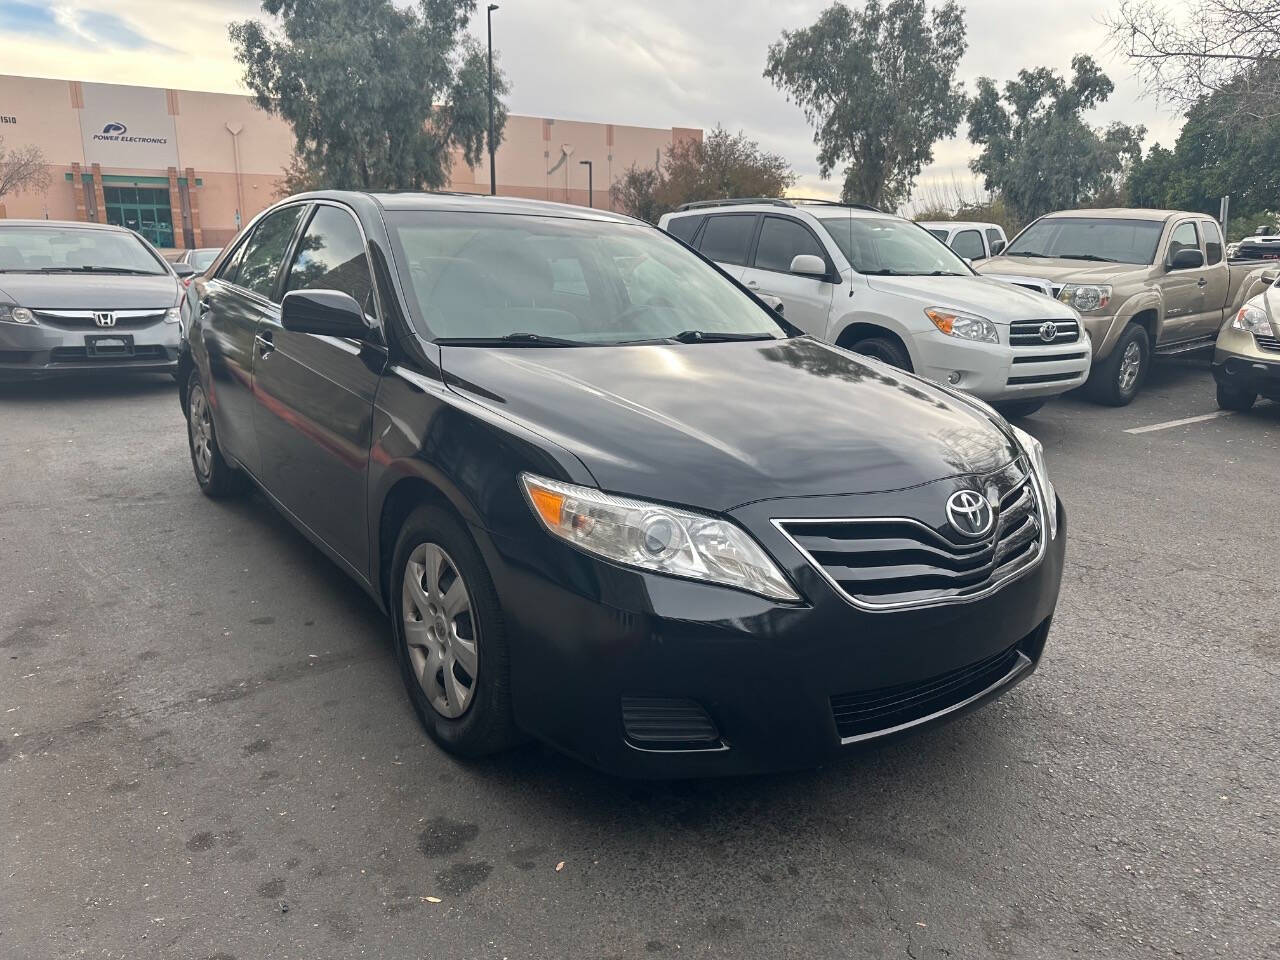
(1048, 331)
(105, 319)
(970, 513)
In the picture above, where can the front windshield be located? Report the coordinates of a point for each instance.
(483, 277)
(42, 249)
(893, 248)
(1102, 239)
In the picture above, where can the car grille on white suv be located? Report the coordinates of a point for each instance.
(1027, 333)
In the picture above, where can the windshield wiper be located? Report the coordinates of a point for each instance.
(1086, 256)
(529, 339)
(89, 268)
(1028, 253)
(717, 336)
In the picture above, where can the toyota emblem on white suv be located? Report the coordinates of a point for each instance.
(106, 319)
(1048, 331)
(970, 513)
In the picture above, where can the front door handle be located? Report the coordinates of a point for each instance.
(264, 343)
(754, 285)
(1202, 282)
(206, 303)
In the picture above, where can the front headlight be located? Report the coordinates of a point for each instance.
(1035, 453)
(1086, 297)
(16, 315)
(963, 325)
(1253, 320)
(173, 315)
(655, 537)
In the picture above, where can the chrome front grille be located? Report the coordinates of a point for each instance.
(1026, 333)
(894, 562)
(1270, 344)
(83, 319)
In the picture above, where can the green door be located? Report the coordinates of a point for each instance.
(142, 209)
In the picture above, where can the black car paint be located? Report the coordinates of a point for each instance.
(335, 426)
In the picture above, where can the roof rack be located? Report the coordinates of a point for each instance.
(774, 202)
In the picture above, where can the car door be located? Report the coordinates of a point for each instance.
(726, 239)
(1217, 275)
(1183, 289)
(314, 409)
(806, 300)
(968, 244)
(232, 305)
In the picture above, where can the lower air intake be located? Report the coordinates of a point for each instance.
(658, 723)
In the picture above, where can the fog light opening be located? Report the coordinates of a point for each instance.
(953, 377)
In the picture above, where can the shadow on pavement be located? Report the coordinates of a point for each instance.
(88, 387)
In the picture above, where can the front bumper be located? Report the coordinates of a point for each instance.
(996, 372)
(1241, 362)
(598, 651)
(34, 351)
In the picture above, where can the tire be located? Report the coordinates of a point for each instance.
(1017, 409)
(1233, 398)
(216, 477)
(1117, 380)
(466, 720)
(885, 350)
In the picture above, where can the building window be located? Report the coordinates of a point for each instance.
(145, 210)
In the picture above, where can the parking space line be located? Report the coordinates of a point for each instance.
(1178, 423)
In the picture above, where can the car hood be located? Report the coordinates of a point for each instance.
(997, 301)
(1062, 271)
(717, 425)
(88, 291)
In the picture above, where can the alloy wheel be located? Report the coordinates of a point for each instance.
(201, 429)
(440, 630)
(1130, 367)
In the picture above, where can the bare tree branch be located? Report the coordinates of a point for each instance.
(22, 169)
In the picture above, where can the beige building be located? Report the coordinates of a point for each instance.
(185, 168)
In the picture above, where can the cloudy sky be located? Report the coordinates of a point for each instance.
(652, 62)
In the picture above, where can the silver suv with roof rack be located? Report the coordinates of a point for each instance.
(885, 287)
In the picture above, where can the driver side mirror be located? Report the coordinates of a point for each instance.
(997, 247)
(1188, 258)
(808, 265)
(328, 313)
(184, 270)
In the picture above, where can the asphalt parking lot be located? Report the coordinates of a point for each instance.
(206, 750)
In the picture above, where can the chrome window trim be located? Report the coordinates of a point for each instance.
(1041, 515)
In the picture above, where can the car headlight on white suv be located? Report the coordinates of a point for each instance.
(1086, 297)
(1034, 450)
(966, 326)
(16, 315)
(1253, 320)
(655, 537)
(173, 315)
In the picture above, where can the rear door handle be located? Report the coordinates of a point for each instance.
(265, 343)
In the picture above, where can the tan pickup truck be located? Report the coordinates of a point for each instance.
(1145, 282)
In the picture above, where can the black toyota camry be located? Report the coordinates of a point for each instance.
(607, 497)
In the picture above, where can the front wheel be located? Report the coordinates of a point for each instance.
(1017, 409)
(1116, 380)
(1233, 398)
(450, 636)
(216, 477)
(885, 350)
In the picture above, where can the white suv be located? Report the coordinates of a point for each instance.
(885, 287)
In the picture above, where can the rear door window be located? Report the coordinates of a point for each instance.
(1212, 242)
(727, 238)
(782, 240)
(968, 243)
(265, 252)
(684, 228)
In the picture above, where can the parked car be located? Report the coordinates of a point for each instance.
(1263, 245)
(78, 297)
(198, 259)
(1246, 356)
(1144, 281)
(607, 497)
(883, 286)
(972, 239)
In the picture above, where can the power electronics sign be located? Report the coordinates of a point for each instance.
(127, 128)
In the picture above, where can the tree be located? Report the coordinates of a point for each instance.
(1038, 154)
(879, 88)
(1228, 48)
(378, 96)
(721, 166)
(22, 169)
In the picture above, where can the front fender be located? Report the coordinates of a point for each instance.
(837, 328)
(1147, 300)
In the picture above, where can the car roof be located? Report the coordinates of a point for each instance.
(471, 203)
(78, 224)
(958, 225)
(822, 211)
(1127, 213)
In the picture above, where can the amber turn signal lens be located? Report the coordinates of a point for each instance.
(548, 504)
(943, 321)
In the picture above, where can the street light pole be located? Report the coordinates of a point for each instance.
(591, 200)
(493, 175)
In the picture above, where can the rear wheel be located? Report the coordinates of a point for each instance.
(216, 477)
(1117, 379)
(1233, 398)
(450, 636)
(1016, 409)
(885, 350)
